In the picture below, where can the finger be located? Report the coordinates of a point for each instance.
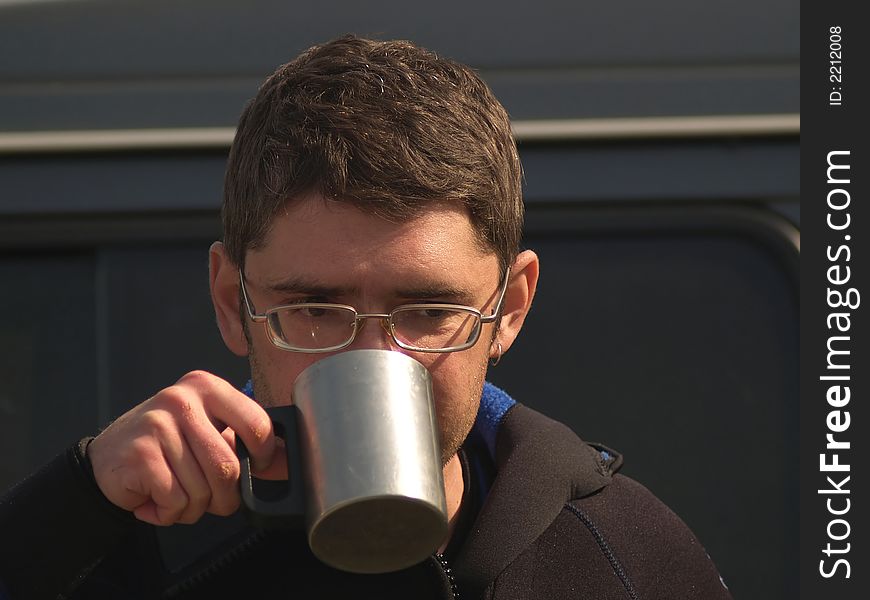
(147, 512)
(216, 459)
(187, 470)
(168, 498)
(278, 468)
(227, 407)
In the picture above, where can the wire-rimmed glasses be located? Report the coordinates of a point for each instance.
(324, 327)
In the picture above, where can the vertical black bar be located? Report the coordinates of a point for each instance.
(835, 225)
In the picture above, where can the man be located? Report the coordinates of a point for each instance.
(372, 175)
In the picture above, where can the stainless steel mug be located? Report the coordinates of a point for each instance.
(371, 488)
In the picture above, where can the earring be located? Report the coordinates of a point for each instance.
(497, 359)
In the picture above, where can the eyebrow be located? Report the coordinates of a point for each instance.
(310, 287)
(437, 290)
(313, 287)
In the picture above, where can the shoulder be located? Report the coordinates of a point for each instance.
(621, 542)
(609, 536)
(645, 545)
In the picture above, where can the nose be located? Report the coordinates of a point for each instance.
(374, 337)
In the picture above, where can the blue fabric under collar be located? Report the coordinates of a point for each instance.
(494, 404)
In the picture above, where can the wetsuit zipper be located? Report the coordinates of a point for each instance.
(202, 576)
(209, 571)
(448, 574)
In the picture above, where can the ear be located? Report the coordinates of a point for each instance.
(224, 285)
(517, 300)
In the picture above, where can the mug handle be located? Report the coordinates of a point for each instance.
(287, 510)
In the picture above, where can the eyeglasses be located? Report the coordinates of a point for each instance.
(321, 327)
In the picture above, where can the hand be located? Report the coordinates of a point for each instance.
(172, 458)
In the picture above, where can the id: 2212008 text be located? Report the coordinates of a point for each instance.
(835, 71)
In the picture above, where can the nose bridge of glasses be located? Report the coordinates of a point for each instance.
(384, 321)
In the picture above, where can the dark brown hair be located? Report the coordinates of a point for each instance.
(386, 126)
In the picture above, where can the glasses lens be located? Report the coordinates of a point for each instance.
(435, 327)
(312, 326)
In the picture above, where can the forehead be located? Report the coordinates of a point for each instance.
(335, 240)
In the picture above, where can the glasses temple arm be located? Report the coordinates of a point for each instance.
(497, 310)
(251, 314)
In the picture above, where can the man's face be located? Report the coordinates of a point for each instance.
(320, 251)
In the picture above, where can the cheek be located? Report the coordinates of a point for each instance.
(457, 372)
(274, 371)
(457, 381)
(454, 388)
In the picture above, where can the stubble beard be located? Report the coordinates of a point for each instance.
(455, 427)
(262, 390)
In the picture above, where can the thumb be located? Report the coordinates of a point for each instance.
(277, 467)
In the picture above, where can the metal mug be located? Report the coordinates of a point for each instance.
(363, 435)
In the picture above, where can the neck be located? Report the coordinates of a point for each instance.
(454, 486)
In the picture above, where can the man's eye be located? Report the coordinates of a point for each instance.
(429, 315)
(313, 311)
